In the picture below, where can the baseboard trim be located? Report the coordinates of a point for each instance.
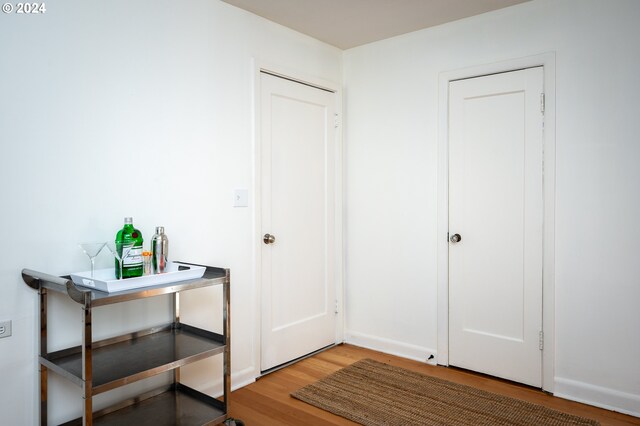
(242, 378)
(609, 399)
(239, 379)
(392, 347)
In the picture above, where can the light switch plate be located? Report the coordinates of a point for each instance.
(240, 198)
(5, 328)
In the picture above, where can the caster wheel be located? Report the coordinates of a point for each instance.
(233, 422)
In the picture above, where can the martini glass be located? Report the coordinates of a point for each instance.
(92, 250)
(120, 251)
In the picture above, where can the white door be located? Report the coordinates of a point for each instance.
(298, 153)
(495, 206)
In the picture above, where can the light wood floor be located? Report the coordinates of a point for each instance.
(267, 401)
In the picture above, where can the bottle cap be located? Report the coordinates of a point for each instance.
(159, 229)
(128, 220)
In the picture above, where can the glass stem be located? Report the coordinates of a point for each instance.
(92, 262)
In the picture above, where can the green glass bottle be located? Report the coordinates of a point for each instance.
(127, 237)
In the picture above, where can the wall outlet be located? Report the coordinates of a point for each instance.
(5, 328)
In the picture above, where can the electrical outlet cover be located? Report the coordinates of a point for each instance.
(5, 328)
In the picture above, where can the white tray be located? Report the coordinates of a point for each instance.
(105, 279)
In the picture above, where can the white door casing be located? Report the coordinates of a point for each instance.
(298, 172)
(496, 205)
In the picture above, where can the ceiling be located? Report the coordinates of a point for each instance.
(350, 23)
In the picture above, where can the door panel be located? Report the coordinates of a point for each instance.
(495, 196)
(298, 169)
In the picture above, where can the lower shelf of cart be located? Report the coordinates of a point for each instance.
(179, 405)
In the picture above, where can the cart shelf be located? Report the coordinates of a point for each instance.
(133, 357)
(179, 405)
(83, 295)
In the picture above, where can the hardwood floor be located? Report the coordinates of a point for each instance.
(267, 401)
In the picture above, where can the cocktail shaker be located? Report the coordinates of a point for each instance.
(159, 250)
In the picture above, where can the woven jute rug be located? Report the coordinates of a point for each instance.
(375, 394)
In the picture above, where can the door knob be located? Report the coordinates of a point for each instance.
(269, 239)
(455, 238)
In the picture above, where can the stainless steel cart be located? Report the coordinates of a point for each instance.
(100, 366)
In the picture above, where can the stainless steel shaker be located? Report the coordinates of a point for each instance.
(159, 250)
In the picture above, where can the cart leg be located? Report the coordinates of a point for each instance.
(226, 313)
(43, 395)
(87, 364)
(43, 352)
(176, 323)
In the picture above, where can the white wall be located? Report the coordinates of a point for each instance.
(110, 109)
(391, 91)
(88, 90)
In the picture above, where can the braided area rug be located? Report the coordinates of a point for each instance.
(375, 394)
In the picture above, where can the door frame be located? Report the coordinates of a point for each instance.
(547, 61)
(259, 66)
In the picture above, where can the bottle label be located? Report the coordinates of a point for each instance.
(134, 258)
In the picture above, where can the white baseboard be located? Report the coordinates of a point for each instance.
(598, 396)
(393, 347)
(239, 379)
(242, 378)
